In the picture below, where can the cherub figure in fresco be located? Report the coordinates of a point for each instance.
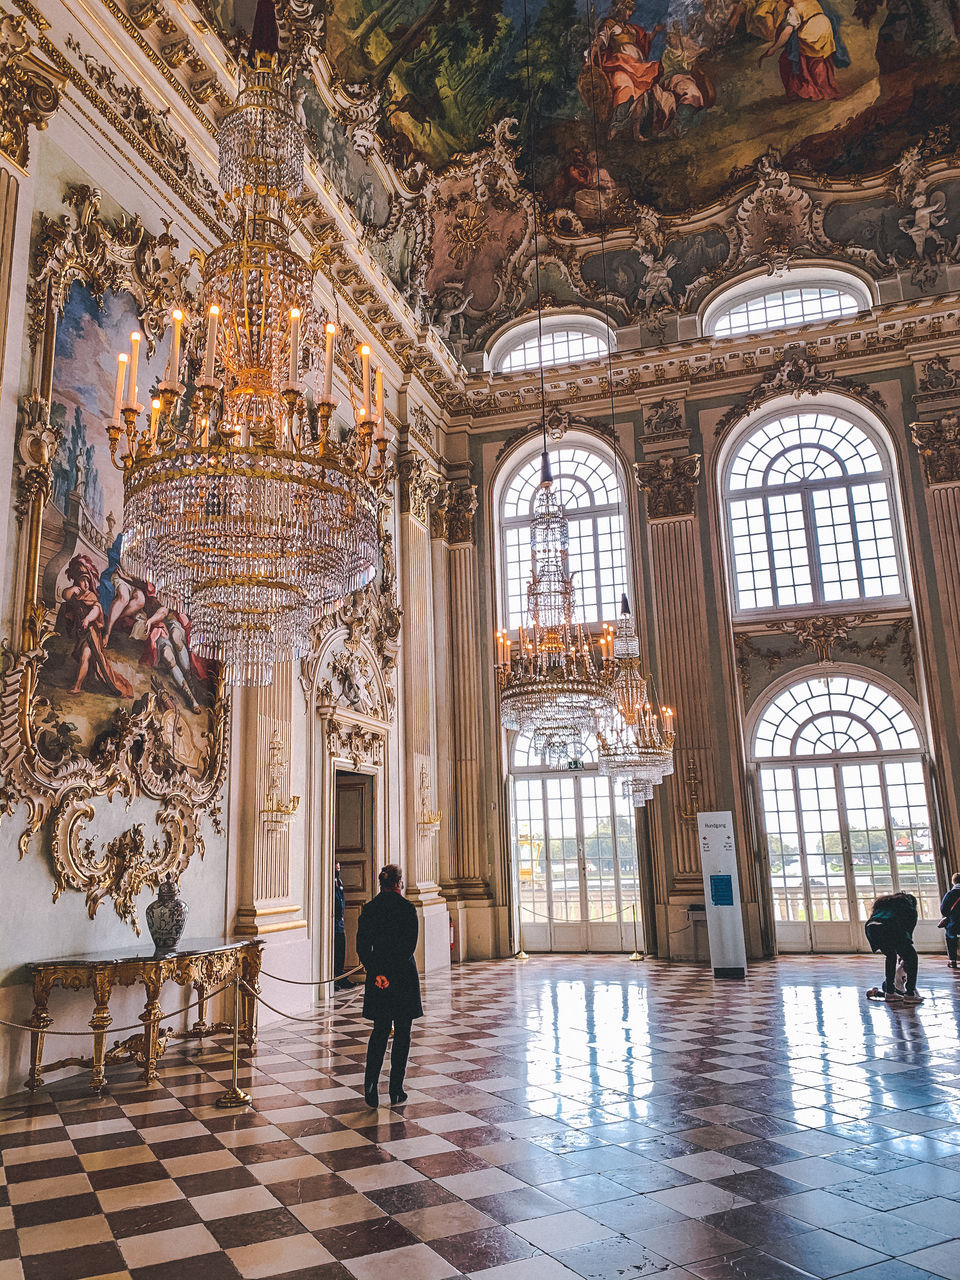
(926, 217)
(657, 285)
(81, 616)
(807, 37)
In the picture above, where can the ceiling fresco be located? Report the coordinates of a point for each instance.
(713, 135)
(677, 97)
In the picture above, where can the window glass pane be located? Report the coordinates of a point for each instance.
(836, 714)
(778, 308)
(811, 483)
(589, 489)
(559, 346)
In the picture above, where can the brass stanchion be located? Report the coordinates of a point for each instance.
(636, 940)
(234, 1096)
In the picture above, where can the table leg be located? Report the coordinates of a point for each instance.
(99, 1025)
(250, 961)
(200, 1026)
(151, 1025)
(40, 1021)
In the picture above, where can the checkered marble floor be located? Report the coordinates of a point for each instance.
(569, 1116)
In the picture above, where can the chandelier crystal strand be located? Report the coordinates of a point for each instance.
(241, 514)
(635, 745)
(553, 683)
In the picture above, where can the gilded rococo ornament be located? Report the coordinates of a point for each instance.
(30, 90)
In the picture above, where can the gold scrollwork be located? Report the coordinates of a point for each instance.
(30, 91)
(43, 773)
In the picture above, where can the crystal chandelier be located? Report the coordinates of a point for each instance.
(241, 505)
(636, 744)
(553, 684)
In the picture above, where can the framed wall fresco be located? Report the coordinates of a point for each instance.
(102, 695)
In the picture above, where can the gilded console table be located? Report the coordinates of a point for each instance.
(204, 966)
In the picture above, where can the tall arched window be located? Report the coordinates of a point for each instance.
(811, 517)
(589, 488)
(840, 765)
(574, 848)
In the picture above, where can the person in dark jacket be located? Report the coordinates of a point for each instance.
(950, 911)
(386, 940)
(893, 919)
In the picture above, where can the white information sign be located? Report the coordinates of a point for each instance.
(721, 886)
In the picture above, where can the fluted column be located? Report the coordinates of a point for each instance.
(682, 641)
(419, 485)
(938, 442)
(268, 813)
(470, 862)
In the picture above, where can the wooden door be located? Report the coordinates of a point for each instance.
(353, 849)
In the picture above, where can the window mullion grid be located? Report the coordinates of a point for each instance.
(813, 545)
(855, 536)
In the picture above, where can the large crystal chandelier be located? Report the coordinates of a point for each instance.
(245, 510)
(553, 684)
(635, 745)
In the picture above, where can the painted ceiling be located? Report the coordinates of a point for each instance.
(634, 111)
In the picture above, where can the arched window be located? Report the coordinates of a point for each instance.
(808, 295)
(574, 851)
(589, 488)
(556, 340)
(811, 517)
(845, 809)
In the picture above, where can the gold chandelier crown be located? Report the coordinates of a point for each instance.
(243, 506)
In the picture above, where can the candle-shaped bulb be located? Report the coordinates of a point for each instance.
(131, 400)
(154, 418)
(210, 353)
(173, 370)
(122, 362)
(378, 384)
(294, 344)
(365, 365)
(330, 332)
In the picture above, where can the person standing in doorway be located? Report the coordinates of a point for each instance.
(339, 933)
(386, 941)
(893, 919)
(950, 911)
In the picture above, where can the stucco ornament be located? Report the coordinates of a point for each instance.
(670, 484)
(939, 445)
(30, 91)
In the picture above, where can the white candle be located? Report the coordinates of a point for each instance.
(211, 349)
(131, 400)
(154, 417)
(378, 383)
(365, 362)
(174, 371)
(330, 332)
(294, 344)
(204, 432)
(121, 380)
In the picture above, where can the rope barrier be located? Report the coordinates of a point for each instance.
(112, 1030)
(293, 1017)
(589, 920)
(314, 982)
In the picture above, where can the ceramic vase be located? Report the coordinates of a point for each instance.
(166, 916)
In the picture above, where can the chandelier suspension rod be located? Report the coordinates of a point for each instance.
(531, 148)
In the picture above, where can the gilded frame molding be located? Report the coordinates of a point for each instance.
(133, 758)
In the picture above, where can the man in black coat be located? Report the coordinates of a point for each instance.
(386, 940)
